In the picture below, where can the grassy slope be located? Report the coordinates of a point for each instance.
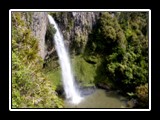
(54, 76)
(83, 71)
(87, 74)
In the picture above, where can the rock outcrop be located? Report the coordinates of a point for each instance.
(76, 26)
(37, 22)
(39, 27)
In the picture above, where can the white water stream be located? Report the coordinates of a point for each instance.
(68, 81)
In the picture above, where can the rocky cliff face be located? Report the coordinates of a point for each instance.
(37, 22)
(76, 26)
(39, 27)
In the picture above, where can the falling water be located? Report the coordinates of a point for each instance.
(67, 76)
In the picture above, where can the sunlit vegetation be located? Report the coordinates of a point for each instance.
(30, 87)
(122, 43)
(116, 55)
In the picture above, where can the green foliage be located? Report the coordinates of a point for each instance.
(116, 53)
(78, 44)
(106, 36)
(30, 88)
(49, 36)
(28, 17)
(122, 44)
(84, 71)
(50, 32)
(54, 76)
(60, 16)
(142, 94)
(56, 15)
(109, 33)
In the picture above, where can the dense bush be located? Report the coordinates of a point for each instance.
(142, 94)
(106, 36)
(30, 87)
(49, 36)
(121, 41)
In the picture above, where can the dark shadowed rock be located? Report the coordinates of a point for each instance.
(131, 103)
(87, 90)
(60, 90)
(103, 86)
(75, 27)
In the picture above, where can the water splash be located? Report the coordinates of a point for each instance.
(68, 81)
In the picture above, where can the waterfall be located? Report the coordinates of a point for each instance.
(67, 77)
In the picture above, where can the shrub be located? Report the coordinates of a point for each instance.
(30, 87)
(142, 94)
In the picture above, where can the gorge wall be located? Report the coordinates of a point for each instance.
(75, 27)
(39, 27)
(37, 22)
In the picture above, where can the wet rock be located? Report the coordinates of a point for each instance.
(84, 91)
(103, 86)
(60, 90)
(131, 103)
